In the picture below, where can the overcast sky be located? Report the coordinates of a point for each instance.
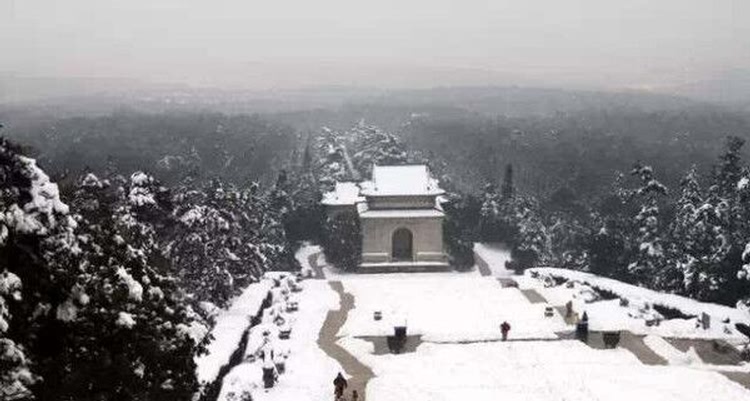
(389, 43)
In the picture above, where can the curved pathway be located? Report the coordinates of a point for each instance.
(359, 374)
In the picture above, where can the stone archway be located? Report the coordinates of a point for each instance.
(402, 245)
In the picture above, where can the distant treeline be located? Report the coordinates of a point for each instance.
(239, 148)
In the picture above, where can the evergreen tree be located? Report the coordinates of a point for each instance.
(607, 251)
(342, 243)
(376, 147)
(331, 164)
(649, 262)
(307, 216)
(490, 224)
(729, 171)
(697, 247)
(532, 245)
(461, 218)
(37, 270)
(567, 242)
(128, 330)
(508, 189)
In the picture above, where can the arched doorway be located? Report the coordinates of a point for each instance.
(401, 245)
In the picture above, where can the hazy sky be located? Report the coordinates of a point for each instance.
(285, 43)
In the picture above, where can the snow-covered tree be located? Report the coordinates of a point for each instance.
(375, 146)
(307, 214)
(567, 242)
(499, 216)
(697, 242)
(342, 241)
(728, 172)
(37, 245)
(532, 245)
(508, 188)
(330, 162)
(130, 332)
(225, 239)
(649, 261)
(459, 228)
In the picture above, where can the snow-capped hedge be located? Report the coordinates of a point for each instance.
(643, 295)
(230, 326)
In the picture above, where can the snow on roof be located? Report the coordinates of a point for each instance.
(345, 193)
(400, 181)
(365, 212)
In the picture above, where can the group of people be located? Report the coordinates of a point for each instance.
(339, 385)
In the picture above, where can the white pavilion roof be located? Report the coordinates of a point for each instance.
(409, 180)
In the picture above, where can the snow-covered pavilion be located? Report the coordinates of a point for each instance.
(400, 217)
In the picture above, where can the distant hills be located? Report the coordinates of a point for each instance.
(54, 97)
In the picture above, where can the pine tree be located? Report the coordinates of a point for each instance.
(490, 226)
(130, 332)
(225, 238)
(532, 245)
(697, 246)
(607, 251)
(508, 189)
(650, 261)
(331, 164)
(567, 242)
(37, 253)
(342, 243)
(461, 215)
(729, 171)
(307, 216)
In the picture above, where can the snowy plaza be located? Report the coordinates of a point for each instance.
(457, 354)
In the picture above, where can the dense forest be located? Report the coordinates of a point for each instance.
(235, 148)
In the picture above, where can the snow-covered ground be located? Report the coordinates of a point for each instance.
(444, 308)
(309, 370)
(538, 370)
(227, 333)
(458, 316)
(495, 255)
(456, 312)
(610, 315)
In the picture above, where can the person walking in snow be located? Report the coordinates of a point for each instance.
(504, 329)
(355, 395)
(339, 384)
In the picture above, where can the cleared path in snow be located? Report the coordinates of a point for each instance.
(313, 261)
(631, 342)
(490, 259)
(359, 374)
(533, 296)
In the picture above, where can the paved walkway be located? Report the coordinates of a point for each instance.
(482, 266)
(631, 342)
(312, 260)
(534, 297)
(359, 374)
